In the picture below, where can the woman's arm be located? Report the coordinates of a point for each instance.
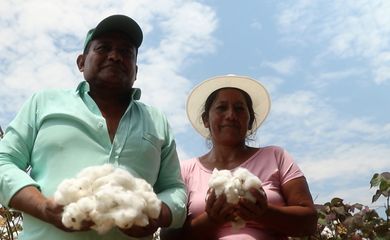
(298, 218)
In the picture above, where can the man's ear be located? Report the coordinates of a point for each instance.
(136, 72)
(80, 62)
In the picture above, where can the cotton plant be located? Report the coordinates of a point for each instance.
(234, 185)
(107, 196)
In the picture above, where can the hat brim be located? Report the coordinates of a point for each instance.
(196, 99)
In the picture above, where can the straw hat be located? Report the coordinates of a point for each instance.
(197, 98)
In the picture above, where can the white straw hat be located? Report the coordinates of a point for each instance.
(197, 98)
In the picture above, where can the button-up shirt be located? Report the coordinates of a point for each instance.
(60, 132)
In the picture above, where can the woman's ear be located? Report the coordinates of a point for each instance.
(80, 62)
(205, 120)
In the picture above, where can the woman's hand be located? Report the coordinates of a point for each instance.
(218, 209)
(252, 211)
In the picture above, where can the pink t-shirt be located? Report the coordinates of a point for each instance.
(272, 165)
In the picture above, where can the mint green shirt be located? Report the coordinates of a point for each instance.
(60, 132)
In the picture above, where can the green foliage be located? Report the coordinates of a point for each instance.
(382, 181)
(339, 221)
(10, 223)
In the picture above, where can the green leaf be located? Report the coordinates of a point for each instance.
(384, 186)
(386, 175)
(376, 196)
(375, 180)
(337, 202)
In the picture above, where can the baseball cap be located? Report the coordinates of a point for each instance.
(117, 23)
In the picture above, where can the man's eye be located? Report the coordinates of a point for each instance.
(127, 52)
(102, 48)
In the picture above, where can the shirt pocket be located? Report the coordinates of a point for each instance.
(152, 140)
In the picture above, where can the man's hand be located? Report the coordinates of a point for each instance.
(164, 220)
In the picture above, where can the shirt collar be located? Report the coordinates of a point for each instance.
(83, 88)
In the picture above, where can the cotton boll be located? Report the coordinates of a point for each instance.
(123, 178)
(141, 220)
(248, 180)
(108, 197)
(142, 185)
(103, 222)
(87, 204)
(73, 217)
(218, 180)
(251, 182)
(131, 205)
(231, 192)
(104, 200)
(70, 190)
(153, 204)
(125, 218)
(95, 172)
(234, 185)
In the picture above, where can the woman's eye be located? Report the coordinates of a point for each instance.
(220, 107)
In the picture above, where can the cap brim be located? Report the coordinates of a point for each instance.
(197, 98)
(120, 23)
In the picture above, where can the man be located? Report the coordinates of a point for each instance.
(58, 133)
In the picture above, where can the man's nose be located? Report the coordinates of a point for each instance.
(115, 55)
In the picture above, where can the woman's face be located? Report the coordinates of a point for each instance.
(228, 117)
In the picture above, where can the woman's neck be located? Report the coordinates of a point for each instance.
(226, 157)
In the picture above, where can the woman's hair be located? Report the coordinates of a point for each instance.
(248, 100)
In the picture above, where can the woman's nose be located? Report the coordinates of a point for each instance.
(231, 114)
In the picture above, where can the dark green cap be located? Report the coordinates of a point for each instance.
(117, 23)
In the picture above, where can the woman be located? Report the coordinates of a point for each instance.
(227, 109)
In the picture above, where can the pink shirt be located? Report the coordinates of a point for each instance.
(272, 165)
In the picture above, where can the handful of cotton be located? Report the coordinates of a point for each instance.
(235, 186)
(108, 197)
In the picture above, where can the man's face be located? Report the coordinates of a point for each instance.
(110, 63)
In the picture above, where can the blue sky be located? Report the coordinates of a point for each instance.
(325, 63)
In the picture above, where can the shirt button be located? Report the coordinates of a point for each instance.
(100, 125)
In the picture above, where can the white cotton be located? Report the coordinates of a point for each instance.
(108, 197)
(234, 185)
(219, 179)
(73, 216)
(70, 190)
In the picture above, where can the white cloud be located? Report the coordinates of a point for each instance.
(351, 29)
(38, 51)
(257, 25)
(284, 66)
(345, 162)
(323, 79)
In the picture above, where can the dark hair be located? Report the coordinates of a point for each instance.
(248, 100)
